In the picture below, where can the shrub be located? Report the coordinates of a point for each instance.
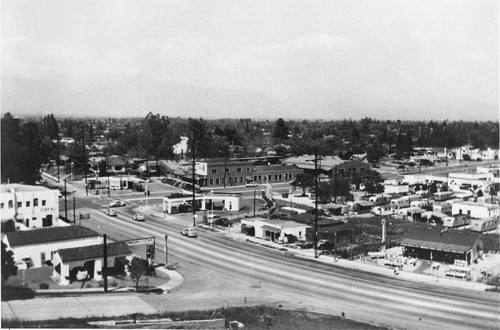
(44, 286)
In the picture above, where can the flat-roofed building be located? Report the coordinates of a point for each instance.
(30, 206)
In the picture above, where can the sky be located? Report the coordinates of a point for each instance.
(333, 59)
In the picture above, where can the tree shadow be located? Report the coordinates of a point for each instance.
(17, 293)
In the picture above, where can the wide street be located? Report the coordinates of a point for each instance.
(220, 272)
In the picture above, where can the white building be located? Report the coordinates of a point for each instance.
(35, 247)
(29, 206)
(475, 180)
(476, 210)
(275, 230)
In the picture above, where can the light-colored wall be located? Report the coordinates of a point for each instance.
(35, 251)
(35, 214)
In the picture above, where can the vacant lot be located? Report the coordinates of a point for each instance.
(256, 317)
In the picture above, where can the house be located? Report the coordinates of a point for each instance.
(29, 206)
(35, 247)
(117, 164)
(445, 245)
(273, 229)
(88, 258)
(476, 210)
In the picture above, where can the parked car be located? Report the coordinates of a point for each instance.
(252, 184)
(305, 245)
(117, 203)
(111, 212)
(138, 217)
(189, 232)
(213, 217)
(185, 208)
(223, 222)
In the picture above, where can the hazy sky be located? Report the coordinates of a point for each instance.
(298, 59)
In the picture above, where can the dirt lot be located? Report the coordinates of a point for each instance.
(256, 317)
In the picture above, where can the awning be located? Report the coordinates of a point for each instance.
(248, 178)
(271, 229)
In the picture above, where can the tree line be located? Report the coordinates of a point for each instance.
(29, 143)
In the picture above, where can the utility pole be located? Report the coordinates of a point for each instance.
(74, 212)
(194, 178)
(225, 164)
(335, 184)
(166, 251)
(105, 264)
(316, 203)
(85, 162)
(65, 201)
(254, 203)
(57, 159)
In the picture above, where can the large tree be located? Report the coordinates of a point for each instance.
(280, 130)
(22, 154)
(9, 267)
(304, 181)
(138, 268)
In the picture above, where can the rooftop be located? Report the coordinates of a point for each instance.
(449, 240)
(6, 188)
(47, 235)
(94, 251)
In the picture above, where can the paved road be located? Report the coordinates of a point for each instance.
(237, 271)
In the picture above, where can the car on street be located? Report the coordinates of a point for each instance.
(117, 203)
(138, 217)
(252, 184)
(111, 212)
(189, 232)
(223, 222)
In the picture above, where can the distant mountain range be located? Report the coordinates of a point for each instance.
(133, 97)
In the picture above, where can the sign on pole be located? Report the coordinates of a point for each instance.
(141, 241)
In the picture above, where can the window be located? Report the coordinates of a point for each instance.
(227, 170)
(42, 257)
(269, 177)
(211, 181)
(35, 202)
(19, 204)
(11, 204)
(286, 176)
(238, 169)
(291, 176)
(1, 205)
(28, 203)
(214, 171)
(118, 167)
(248, 169)
(241, 179)
(217, 181)
(280, 176)
(44, 202)
(363, 169)
(255, 178)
